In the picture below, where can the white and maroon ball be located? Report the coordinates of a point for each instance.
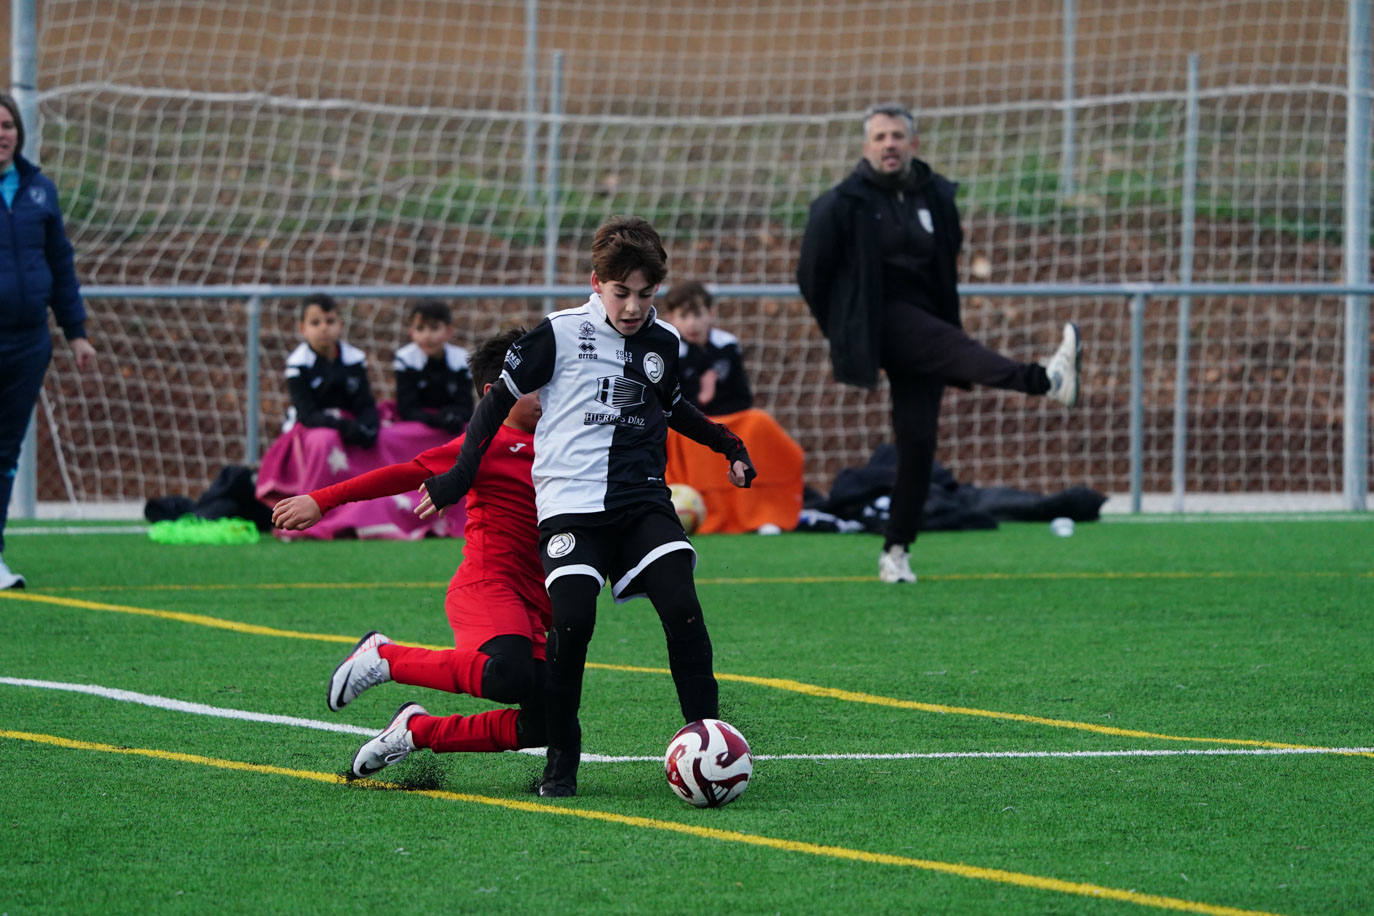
(708, 763)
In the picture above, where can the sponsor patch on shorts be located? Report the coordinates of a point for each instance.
(560, 545)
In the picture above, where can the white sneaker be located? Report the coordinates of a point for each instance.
(363, 668)
(1063, 367)
(894, 565)
(9, 579)
(393, 745)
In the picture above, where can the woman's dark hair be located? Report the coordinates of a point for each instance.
(12, 106)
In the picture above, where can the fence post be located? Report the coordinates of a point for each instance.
(531, 96)
(1137, 399)
(551, 201)
(1357, 125)
(253, 382)
(24, 88)
(1185, 275)
(1068, 177)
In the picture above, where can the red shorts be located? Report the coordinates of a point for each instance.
(478, 611)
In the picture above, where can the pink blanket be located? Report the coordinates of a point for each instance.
(306, 459)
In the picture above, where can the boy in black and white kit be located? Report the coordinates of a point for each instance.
(713, 376)
(433, 381)
(607, 374)
(327, 377)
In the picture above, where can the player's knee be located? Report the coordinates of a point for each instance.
(506, 679)
(574, 612)
(508, 676)
(680, 613)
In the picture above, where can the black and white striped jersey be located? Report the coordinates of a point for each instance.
(602, 440)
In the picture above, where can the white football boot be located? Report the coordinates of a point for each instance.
(894, 565)
(9, 579)
(363, 668)
(1063, 367)
(392, 745)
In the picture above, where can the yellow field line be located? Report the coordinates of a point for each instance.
(776, 580)
(203, 620)
(785, 684)
(959, 869)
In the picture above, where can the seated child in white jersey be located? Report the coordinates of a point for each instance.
(433, 379)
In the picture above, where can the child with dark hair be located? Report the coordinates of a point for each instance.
(713, 376)
(496, 603)
(607, 377)
(714, 379)
(433, 382)
(327, 377)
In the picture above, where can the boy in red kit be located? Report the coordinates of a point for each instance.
(496, 602)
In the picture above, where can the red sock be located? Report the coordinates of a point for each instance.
(493, 730)
(452, 670)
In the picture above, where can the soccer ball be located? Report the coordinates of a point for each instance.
(691, 508)
(708, 763)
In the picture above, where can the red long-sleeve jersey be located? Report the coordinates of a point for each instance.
(501, 538)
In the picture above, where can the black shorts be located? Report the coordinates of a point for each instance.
(615, 546)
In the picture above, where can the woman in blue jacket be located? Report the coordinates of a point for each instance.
(36, 274)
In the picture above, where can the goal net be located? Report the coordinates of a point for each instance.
(326, 143)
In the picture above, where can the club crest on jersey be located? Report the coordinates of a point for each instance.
(560, 545)
(585, 331)
(653, 367)
(619, 392)
(926, 222)
(38, 196)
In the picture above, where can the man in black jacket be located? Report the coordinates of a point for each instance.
(879, 271)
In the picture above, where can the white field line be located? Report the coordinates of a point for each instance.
(196, 709)
(201, 709)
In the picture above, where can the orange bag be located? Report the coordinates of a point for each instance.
(775, 496)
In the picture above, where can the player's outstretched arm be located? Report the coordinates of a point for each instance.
(299, 512)
(444, 490)
(296, 513)
(695, 425)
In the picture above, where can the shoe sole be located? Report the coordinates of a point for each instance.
(330, 690)
(1077, 365)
